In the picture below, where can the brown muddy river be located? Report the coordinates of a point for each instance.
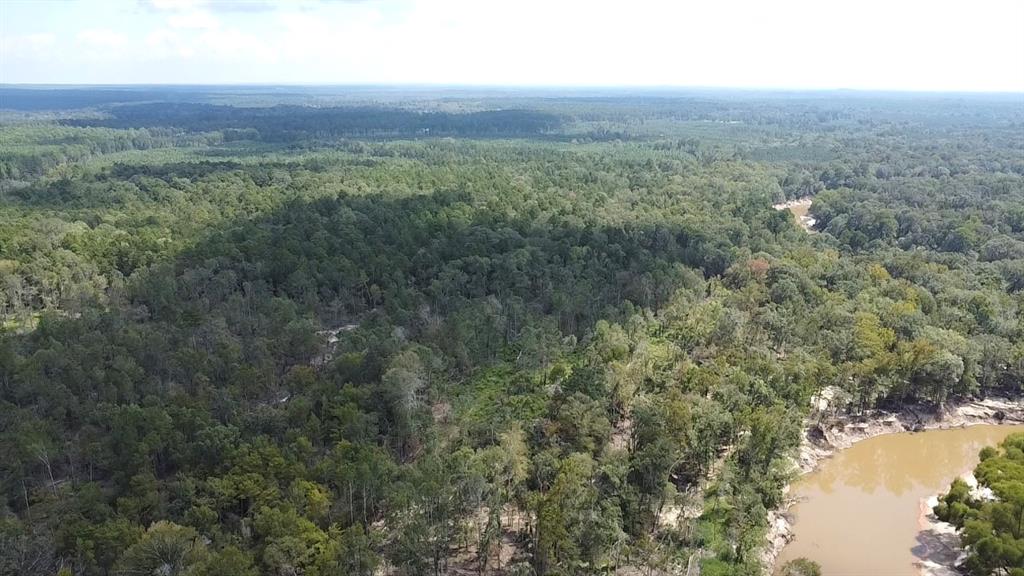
(859, 513)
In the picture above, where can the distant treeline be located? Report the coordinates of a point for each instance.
(32, 149)
(36, 99)
(291, 123)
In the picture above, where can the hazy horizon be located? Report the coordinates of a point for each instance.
(654, 88)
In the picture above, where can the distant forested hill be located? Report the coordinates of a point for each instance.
(291, 123)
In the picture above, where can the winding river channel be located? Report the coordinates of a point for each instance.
(860, 512)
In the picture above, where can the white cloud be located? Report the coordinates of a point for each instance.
(24, 46)
(233, 45)
(37, 41)
(195, 19)
(164, 43)
(172, 5)
(101, 38)
(232, 6)
(30, 42)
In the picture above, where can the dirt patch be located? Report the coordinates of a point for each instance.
(826, 436)
(622, 435)
(331, 338)
(799, 208)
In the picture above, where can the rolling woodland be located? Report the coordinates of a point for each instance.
(531, 334)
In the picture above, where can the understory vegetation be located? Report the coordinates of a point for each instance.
(507, 336)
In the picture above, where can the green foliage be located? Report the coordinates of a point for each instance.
(992, 528)
(322, 340)
(165, 548)
(801, 567)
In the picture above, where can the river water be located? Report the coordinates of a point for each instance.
(859, 512)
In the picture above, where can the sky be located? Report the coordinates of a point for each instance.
(917, 45)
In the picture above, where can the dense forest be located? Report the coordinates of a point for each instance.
(248, 333)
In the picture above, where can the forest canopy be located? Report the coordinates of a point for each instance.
(314, 333)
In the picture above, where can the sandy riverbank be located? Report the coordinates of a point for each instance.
(938, 544)
(826, 437)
